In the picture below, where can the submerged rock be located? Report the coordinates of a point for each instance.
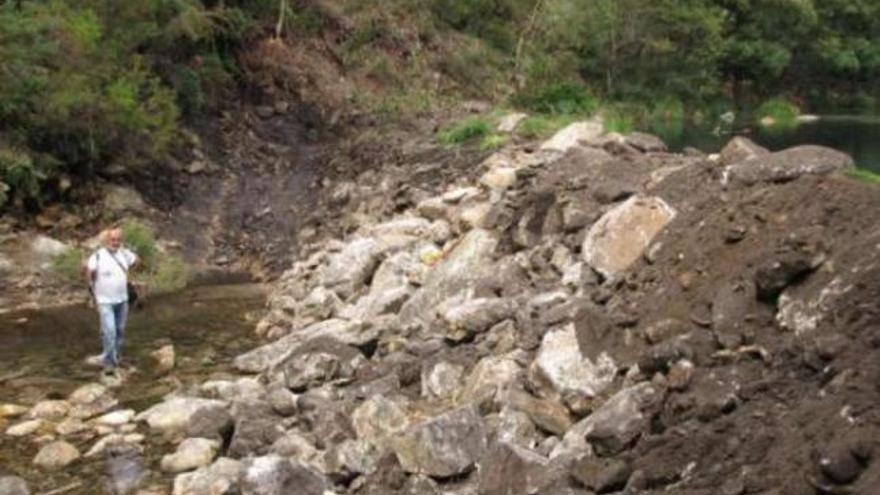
(56, 455)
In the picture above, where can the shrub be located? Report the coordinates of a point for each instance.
(171, 274)
(619, 118)
(777, 112)
(565, 98)
(141, 239)
(465, 131)
(162, 272)
(67, 264)
(493, 141)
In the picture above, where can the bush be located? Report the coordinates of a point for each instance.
(465, 131)
(564, 98)
(162, 272)
(141, 239)
(67, 264)
(171, 274)
(493, 141)
(777, 112)
(620, 118)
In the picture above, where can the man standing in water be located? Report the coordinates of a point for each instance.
(107, 272)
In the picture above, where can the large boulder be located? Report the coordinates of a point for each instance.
(562, 370)
(219, 478)
(443, 446)
(621, 236)
(459, 271)
(180, 415)
(787, 165)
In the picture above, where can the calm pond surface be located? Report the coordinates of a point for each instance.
(859, 136)
(42, 357)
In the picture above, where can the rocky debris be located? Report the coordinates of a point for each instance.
(740, 149)
(601, 475)
(348, 270)
(219, 478)
(623, 234)
(512, 470)
(56, 455)
(447, 445)
(463, 319)
(645, 143)
(13, 485)
(120, 200)
(50, 410)
(441, 379)
(378, 420)
(787, 165)
(90, 400)
(191, 454)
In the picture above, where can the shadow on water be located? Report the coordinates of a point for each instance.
(859, 136)
(42, 357)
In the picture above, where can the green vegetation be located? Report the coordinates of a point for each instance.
(777, 112)
(160, 271)
(464, 131)
(540, 126)
(865, 175)
(67, 264)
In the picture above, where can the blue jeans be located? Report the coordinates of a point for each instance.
(113, 318)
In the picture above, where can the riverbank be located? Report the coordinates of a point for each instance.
(587, 314)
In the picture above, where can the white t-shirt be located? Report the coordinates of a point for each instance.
(110, 278)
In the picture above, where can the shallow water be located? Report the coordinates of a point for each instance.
(859, 136)
(42, 357)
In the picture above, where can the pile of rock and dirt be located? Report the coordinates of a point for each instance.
(591, 315)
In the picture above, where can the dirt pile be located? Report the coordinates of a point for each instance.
(595, 316)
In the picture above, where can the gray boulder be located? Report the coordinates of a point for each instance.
(512, 470)
(349, 269)
(787, 165)
(740, 149)
(275, 475)
(443, 446)
(180, 415)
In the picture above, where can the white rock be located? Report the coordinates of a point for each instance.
(219, 478)
(116, 418)
(192, 453)
(571, 136)
(56, 455)
(24, 428)
(562, 367)
(621, 236)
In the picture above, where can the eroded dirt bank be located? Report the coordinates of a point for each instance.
(587, 315)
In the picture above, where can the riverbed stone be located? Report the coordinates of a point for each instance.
(13, 485)
(116, 418)
(71, 426)
(573, 135)
(163, 358)
(90, 400)
(219, 478)
(275, 475)
(562, 370)
(12, 410)
(446, 445)
(787, 165)
(25, 428)
(50, 409)
(621, 236)
(191, 454)
(181, 414)
(56, 455)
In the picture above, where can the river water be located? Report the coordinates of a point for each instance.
(859, 136)
(42, 357)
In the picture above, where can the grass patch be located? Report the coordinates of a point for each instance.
(494, 141)
(540, 126)
(618, 119)
(865, 175)
(777, 112)
(464, 131)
